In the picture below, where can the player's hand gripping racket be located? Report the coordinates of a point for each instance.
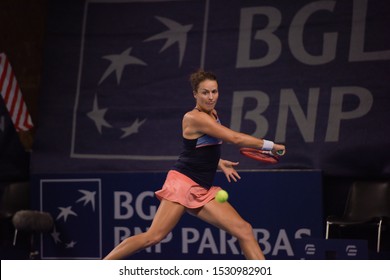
(262, 155)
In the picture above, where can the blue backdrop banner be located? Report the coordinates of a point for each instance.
(310, 74)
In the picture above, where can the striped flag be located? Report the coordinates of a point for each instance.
(12, 96)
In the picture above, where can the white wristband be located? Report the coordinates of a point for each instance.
(267, 145)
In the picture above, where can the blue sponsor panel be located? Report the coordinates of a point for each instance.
(119, 101)
(75, 205)
(94, 212)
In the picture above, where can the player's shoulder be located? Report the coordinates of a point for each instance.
(190, 114)
(196, 116)
(189, 117)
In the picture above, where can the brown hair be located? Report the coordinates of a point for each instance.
(199, 76)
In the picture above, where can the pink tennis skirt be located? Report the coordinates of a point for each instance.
(181, 189)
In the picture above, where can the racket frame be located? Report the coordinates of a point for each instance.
(260, 155)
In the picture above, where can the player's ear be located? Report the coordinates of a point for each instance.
(194, 93)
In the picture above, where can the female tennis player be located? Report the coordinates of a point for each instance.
(189, 184)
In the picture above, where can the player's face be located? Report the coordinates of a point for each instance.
(207, 95)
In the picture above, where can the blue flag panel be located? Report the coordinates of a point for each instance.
(14, 160)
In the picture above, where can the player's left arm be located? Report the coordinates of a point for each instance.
(227, 167)
(201, 123)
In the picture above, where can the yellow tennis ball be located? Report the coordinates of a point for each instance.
(221, 196)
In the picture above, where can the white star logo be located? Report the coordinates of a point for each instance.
(118, 63)
(56, 236)
(133, 128)
(65, 212)
(175, 33)
(70, 244)
(89, 197)
(97, 115)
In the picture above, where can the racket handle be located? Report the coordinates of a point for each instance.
(280, 152)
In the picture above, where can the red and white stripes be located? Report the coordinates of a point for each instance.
(12, 96)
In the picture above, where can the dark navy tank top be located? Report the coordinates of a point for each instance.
(199, 159)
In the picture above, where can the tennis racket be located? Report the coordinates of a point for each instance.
(261, 155)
